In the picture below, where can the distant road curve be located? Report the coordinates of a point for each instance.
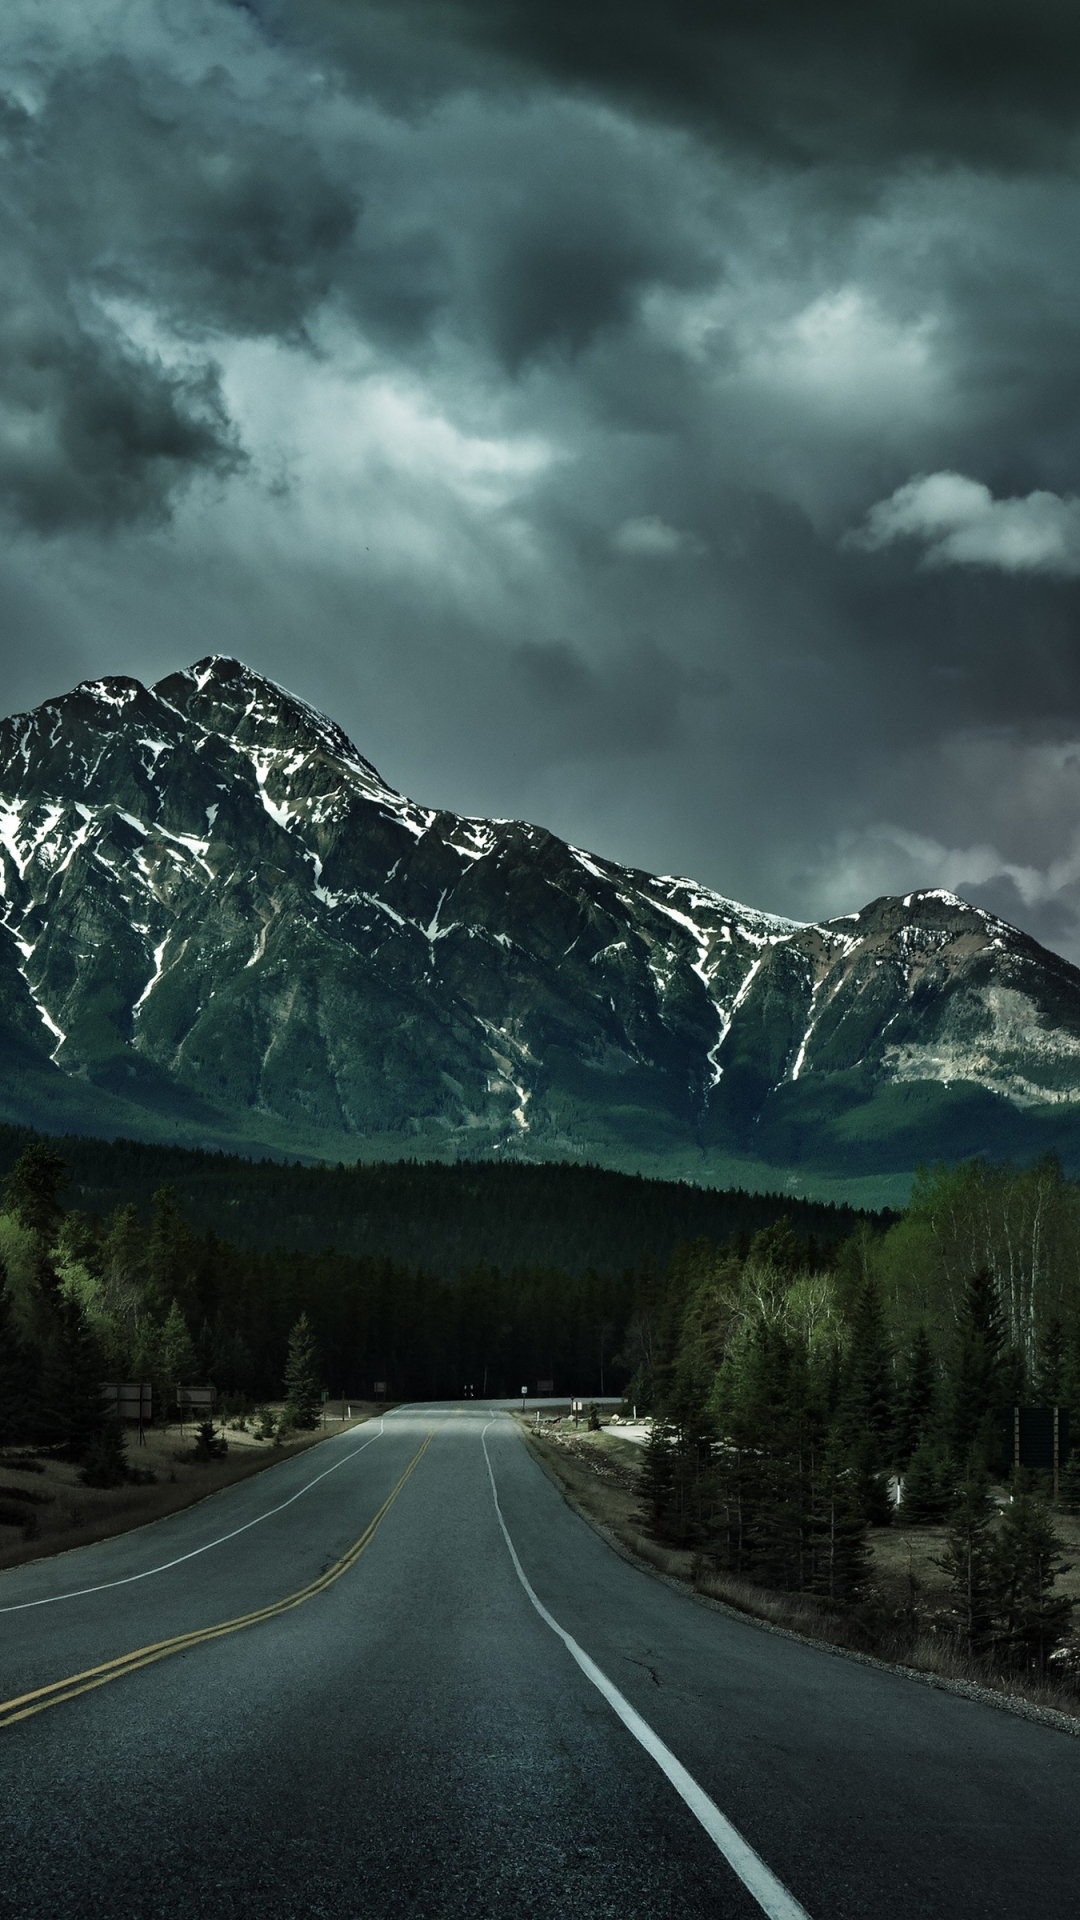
(413, 1682)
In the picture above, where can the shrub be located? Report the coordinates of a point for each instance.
(210, 1445)
(104, 1462)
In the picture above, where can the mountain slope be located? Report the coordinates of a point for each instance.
(220, 924)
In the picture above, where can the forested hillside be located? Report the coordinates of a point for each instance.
(511, 1273)
(439, 1217)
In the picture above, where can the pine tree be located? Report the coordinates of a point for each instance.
(657, 1482)
(32, 1191)
(866, 1393)
(302, 1392)
(967, 1563)
(927, 1494)
(1070, 1482)
(870, 1486)
(1031, 1617)
(980, 1366)
(841, 1552)
(916, 1400)
(176, 1352)
(74, 1413)
(20, 1379)
(105, 1457)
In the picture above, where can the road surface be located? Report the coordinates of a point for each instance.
(399, 1728)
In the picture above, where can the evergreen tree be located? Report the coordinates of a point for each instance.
(841, 1552)
(210, 1445)
(74, 1413)
(967, 1563)
(866, 1395)
(916, 1401)
(105, 1457)
(20, 1379)
(32, 1191)
(927, 1494)
(302, 1391)
(693, 1489)
(169, 1253)
(869, 1485)
(1070, 1482)
(979, 1383)
(657, 1482)
(176, 1352)
(774, 1426)
(1031, 1617)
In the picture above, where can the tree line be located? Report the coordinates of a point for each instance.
(796, 1402)
(441, 1217)
(797, 1380)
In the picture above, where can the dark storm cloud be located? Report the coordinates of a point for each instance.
(210, 206)
(577, 383)
(190, 209)
(989, 80)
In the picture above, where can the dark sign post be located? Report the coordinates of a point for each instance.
(194, 1400)
(545, 1386)
(131, 1400)
(380, 1389)
(524, 1392)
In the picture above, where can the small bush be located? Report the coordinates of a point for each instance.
(210, 1445)
(105, 1460)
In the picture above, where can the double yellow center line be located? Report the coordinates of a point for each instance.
(55, 1695)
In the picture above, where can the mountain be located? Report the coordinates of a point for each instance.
(222, 927)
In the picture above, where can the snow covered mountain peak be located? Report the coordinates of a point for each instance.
(212, 907)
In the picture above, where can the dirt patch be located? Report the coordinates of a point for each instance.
(45, 1509)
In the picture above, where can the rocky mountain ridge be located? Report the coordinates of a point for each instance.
(220, 923)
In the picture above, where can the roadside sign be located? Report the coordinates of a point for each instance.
(545, 1386)
(196, 1397)
(130, 1399)
(380, 1389)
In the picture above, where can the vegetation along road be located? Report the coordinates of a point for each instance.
(397, 1674)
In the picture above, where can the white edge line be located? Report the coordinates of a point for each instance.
(80, 1593)
(770, 1893)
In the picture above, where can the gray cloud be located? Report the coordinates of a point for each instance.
(837, 81)
(959, 523)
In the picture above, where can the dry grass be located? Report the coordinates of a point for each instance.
(71, 1515)
(902, 1625)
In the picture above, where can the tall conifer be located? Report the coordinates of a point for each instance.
(302, 1393)
(979, 1373)
(916, 1399)
(967, 1563)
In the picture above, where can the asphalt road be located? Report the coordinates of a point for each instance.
(414, 1737)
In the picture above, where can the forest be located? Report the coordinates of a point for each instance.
(443, 1217)
(802, 1368)
(797, 1401)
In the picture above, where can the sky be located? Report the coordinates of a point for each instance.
(660, 422)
